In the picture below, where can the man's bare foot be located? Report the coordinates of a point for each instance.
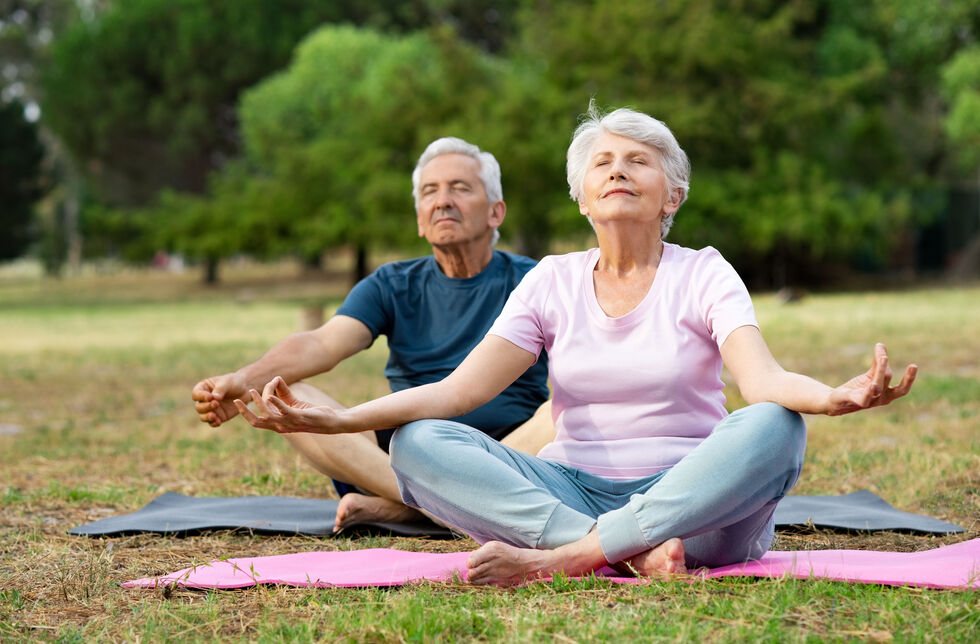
(359, 508)
(666, 560)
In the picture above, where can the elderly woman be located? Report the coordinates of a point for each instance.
(647, 470)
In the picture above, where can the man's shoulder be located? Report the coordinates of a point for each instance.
(515, 262)
(405, 265)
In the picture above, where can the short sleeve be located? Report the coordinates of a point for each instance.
(520, 321)
(368, 304)
(724, 301)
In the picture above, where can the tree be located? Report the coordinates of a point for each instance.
(961, 84)
(331, 140)
(20, 179)
(808, 124)
(27, 29)
(144, 94)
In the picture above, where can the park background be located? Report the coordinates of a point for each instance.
(182, 182)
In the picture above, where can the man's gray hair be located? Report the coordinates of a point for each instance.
(639, 127)
(489, 169)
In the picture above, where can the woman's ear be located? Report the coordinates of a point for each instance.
(673, 201)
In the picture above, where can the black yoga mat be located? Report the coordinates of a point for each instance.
(861, 510)
(175, 513)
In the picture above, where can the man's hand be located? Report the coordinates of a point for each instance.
(280, 411)
(870, 389)
(214, 398)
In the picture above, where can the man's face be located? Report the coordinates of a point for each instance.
(453, 205)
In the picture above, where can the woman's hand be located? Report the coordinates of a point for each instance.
(870, 389)
(280, 411)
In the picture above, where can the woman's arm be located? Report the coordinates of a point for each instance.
(490, 367)
(760, 379)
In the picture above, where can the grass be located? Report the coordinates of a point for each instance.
(95, 419)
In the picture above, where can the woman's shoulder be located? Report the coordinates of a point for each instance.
(553, 270)
(568, 260)
(697, 259)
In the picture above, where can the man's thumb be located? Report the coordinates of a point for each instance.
(219, 390)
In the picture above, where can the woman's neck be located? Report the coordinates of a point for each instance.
(628, 250)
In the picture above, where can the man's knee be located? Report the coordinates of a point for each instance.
(308, 393)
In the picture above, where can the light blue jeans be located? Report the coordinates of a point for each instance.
(719, 498)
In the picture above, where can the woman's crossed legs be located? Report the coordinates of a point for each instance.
(538, 517)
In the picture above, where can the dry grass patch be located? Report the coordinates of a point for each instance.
(96, 419)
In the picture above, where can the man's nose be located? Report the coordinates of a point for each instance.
(444, 200)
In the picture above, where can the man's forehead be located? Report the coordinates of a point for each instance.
(450, 167)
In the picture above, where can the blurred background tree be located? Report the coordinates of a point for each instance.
(20, 179)
(826, 137)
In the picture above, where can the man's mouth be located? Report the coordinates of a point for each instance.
(446, 217)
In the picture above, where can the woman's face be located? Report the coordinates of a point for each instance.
(624, 180)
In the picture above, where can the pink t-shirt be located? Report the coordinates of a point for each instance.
(634, 394)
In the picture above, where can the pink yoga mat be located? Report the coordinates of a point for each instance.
(955, 566)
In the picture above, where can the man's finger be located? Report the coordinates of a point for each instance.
(205, 407)
(201, 391)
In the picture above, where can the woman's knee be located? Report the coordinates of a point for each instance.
(776, 424)
(776, 434)
(419, 443)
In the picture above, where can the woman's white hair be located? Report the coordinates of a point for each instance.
(489, 169)
(639, 127)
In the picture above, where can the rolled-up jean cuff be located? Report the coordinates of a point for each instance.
(620, 536)
(565, 525)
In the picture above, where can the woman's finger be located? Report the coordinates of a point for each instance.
(260, 405)
(905, 385)
(250, 417)
(880, 371)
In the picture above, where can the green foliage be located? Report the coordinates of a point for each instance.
(20, 178)
(816, 129)
(808, 124)
(144, 94)
(961, 83)
(330, 142)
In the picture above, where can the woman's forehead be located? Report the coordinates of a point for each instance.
(608, 143)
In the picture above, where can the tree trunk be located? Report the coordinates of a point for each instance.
(313, 264)
(211, 270)
(311, 317)
(361, 267)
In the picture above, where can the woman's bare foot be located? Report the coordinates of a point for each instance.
(499, 564)
(360, 508)
(666, 560)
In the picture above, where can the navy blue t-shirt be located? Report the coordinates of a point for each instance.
(433, 321)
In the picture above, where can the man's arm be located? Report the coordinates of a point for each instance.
(761, 379)
(294, 358)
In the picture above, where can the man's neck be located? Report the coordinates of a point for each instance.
(462, 262)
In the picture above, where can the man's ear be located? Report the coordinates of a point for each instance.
(418, 222)
(498, 210)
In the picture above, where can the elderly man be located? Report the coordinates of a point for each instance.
(433, 310)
